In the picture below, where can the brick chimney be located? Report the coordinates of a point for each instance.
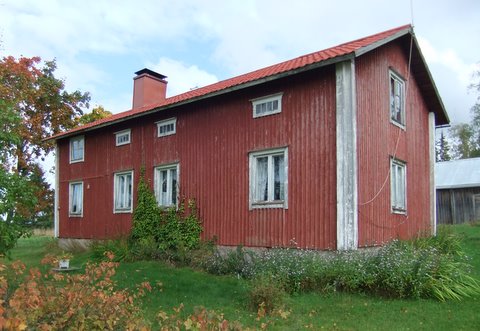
(148, 87)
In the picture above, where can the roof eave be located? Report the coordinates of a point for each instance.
(263, 80)
(446, 119)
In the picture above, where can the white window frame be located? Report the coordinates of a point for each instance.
(71, 186)
(270, 202)
(72, 142)
(166, 123)
(120, 134)
(393, 102)
(116, 178)
(169, 168)
(265, 100)
(398, 181)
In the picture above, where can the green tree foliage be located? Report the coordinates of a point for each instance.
(34, 105)
(96, 114)
(464, 146)
(42, 103)
(466, 136)
(16, 194)
(442, 149)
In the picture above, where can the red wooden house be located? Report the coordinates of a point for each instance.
(330, 150)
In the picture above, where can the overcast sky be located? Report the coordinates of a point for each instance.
(99, 44)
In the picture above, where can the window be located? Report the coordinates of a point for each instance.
(75, 199)
(123, 192)
(269, 179)
(167, 127)
(77, 145)
(398, 186)
(122, 137)
(166, 185)
(268, 105)
(397, 99)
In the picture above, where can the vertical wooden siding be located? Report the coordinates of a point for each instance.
(212, 145)
(456, 206)
(378, 140)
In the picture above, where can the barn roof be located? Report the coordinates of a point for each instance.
(457, 174)
(303, 63)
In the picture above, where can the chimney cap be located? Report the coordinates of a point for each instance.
(151, 73)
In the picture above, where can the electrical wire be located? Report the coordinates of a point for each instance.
(399, 129)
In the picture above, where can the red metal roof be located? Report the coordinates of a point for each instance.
(298, 63)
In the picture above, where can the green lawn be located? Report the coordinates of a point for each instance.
(337, 311)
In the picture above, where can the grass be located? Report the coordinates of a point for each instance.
(336, 311)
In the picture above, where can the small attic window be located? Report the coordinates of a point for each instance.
(167, 127)
(122, 137)
(268, 105)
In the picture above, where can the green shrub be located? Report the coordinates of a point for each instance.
(233, 262)
(423, 268)
(168, 234)
(266, 292)
(119, 247)
(146, 216)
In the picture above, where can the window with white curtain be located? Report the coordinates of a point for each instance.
(123, 192)
(398, 186)
(77, 146)
(397, 99)
(166, 185)
(269, 178)
(75, 199)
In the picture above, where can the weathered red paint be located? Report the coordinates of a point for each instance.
(212, 144)
(377, 142)
(215, 135)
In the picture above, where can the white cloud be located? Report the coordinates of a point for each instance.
(450, 59)
(230, 37)
(182, 77)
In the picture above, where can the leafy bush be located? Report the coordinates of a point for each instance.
(53, 301)
(425, 267)
(119, 247)
(266, 292)
(168, 234)
(146, 216)
(445, 241)
(234, 262)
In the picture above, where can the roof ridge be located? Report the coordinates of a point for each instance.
(248, 77)
(303, 56)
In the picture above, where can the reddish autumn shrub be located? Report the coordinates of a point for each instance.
(83, 301)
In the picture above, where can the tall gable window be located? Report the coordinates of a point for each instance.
(122, 137)
(123, 192)
(269, 178)
(167, 127)
(398, 186)
(166, 185)
(77, 146)
(75, 199)
(268, 105)
(397, 99)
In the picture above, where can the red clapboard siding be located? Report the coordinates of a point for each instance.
(212, 143)
(377, 141)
